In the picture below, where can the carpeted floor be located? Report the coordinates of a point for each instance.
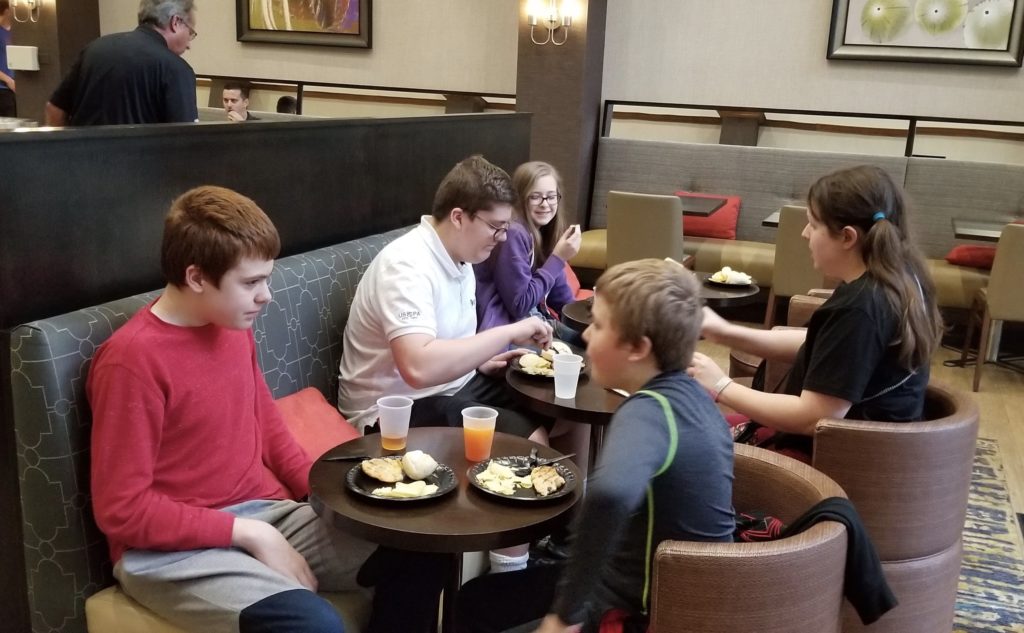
(990, 598)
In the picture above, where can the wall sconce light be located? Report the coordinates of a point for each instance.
(550, 17)
(31, 10)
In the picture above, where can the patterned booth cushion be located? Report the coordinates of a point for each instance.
(299, 339)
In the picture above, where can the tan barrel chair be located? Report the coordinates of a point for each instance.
(909, 483)
(792, 585)
(643, 225)
(794, 269)
(1002, 299)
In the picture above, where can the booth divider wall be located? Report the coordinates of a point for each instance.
(81, 217)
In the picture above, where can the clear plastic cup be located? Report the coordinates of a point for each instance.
(567, 374)
(393, 413)
(478, 432)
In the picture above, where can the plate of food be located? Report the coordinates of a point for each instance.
(414, 476)
(540, 364)
(514, 479)
(727, 277)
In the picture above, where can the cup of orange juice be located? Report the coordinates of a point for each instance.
(393, 412)
(478, 432)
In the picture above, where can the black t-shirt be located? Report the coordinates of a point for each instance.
(849, 354)
(127, 78)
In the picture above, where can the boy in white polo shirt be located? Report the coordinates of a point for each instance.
(411, 330)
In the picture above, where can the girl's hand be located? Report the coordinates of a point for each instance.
(714, 326)
(569, 244)
(705, 371)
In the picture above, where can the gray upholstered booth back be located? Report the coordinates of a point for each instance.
(767, 179)
(299, 340)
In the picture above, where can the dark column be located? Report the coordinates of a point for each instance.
(63, 30)
(561, 86)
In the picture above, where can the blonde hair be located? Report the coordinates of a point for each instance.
(658, 299)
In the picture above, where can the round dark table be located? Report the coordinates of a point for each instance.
(716, 296)
(577, 314)
(593, 404)
(465, 520)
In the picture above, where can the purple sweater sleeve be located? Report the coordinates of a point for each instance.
(521, 288)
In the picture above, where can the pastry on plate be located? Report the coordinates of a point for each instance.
(546, 480)
(383, 469)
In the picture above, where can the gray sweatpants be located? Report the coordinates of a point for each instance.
(205, 590)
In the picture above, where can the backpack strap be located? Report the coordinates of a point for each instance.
(670, 456)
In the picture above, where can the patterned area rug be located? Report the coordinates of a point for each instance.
(990, 598)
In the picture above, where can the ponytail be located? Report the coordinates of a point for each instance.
(897, 265)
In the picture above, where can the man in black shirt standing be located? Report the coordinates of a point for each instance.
(133, 77)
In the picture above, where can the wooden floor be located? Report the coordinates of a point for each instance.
(1000, 400)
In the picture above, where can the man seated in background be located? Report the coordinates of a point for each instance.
(133, 77)
(197, 480)
(287, 105)
(411, 330)
(236, 101)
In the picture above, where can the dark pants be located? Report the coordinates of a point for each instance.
(501, 602)
(482, 391)
(8, 103)
(406, 589)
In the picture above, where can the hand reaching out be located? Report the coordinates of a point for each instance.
(533, 332)
(496, 365)
(553, 624)
(714, 326)
(704, 370)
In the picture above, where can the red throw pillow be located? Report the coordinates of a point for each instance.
(574, 284)
(720, 224)
(972, 255)
(315, 423)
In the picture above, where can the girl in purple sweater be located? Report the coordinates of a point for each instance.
(526, 273)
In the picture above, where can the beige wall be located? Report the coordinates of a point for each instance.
(456, 45)
(772, 55)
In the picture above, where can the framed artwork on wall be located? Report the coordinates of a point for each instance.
(318, 22)
(947, 31)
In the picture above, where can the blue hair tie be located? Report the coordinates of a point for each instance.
(879, 215)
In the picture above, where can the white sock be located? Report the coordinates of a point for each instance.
(501, 563)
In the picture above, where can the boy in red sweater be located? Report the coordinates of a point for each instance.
(195, 475)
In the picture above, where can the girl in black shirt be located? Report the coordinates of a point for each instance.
(866, 351)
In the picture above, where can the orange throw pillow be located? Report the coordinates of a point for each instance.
(720, 224)
(972, 255)
(315, 423)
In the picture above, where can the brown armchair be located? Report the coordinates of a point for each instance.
(793, 584)
(909, 482)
